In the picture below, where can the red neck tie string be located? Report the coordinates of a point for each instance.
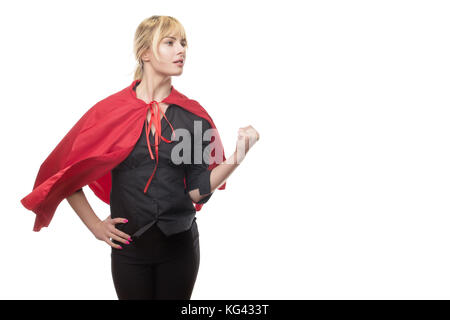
(156, 120)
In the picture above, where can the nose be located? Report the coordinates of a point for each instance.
(182, 48)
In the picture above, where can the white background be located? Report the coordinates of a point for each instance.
(346, 194)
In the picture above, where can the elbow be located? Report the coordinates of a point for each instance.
(196, 197)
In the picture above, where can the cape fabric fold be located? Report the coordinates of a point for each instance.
(101, 139)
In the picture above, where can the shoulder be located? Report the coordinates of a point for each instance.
(189, 117)
(118, 99)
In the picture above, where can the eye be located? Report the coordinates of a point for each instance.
(183, 44)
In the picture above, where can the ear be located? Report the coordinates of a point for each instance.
(146, 55)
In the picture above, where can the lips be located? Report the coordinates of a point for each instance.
(181, 60)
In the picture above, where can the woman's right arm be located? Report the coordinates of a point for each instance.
(102, 230)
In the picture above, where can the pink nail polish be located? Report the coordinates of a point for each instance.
(125, 220)
(130, 239)
(127, 242)
(120, 247)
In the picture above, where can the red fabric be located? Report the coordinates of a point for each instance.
(101, 139)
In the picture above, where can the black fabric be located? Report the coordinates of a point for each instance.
(157, 267)
(166, 203)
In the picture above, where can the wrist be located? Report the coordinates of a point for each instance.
(238, 157)
(93, 226)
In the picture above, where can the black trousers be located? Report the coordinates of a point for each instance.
(155, 266)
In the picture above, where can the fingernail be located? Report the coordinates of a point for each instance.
(125, 220)
(127, 242)
(130, 239)
(120, 247)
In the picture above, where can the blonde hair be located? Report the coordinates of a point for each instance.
(150, 33)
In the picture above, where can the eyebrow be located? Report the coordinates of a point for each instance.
(175, 38)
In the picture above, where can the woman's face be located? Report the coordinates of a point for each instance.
(172, 48)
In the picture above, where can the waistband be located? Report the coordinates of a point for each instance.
(154, 245)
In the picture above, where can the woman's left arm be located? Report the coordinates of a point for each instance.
(247, 137)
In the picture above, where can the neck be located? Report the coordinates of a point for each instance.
(153, 87)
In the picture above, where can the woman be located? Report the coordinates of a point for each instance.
(153, 234)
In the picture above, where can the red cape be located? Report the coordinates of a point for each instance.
(101, 139)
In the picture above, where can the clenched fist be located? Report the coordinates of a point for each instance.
(247, 137)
